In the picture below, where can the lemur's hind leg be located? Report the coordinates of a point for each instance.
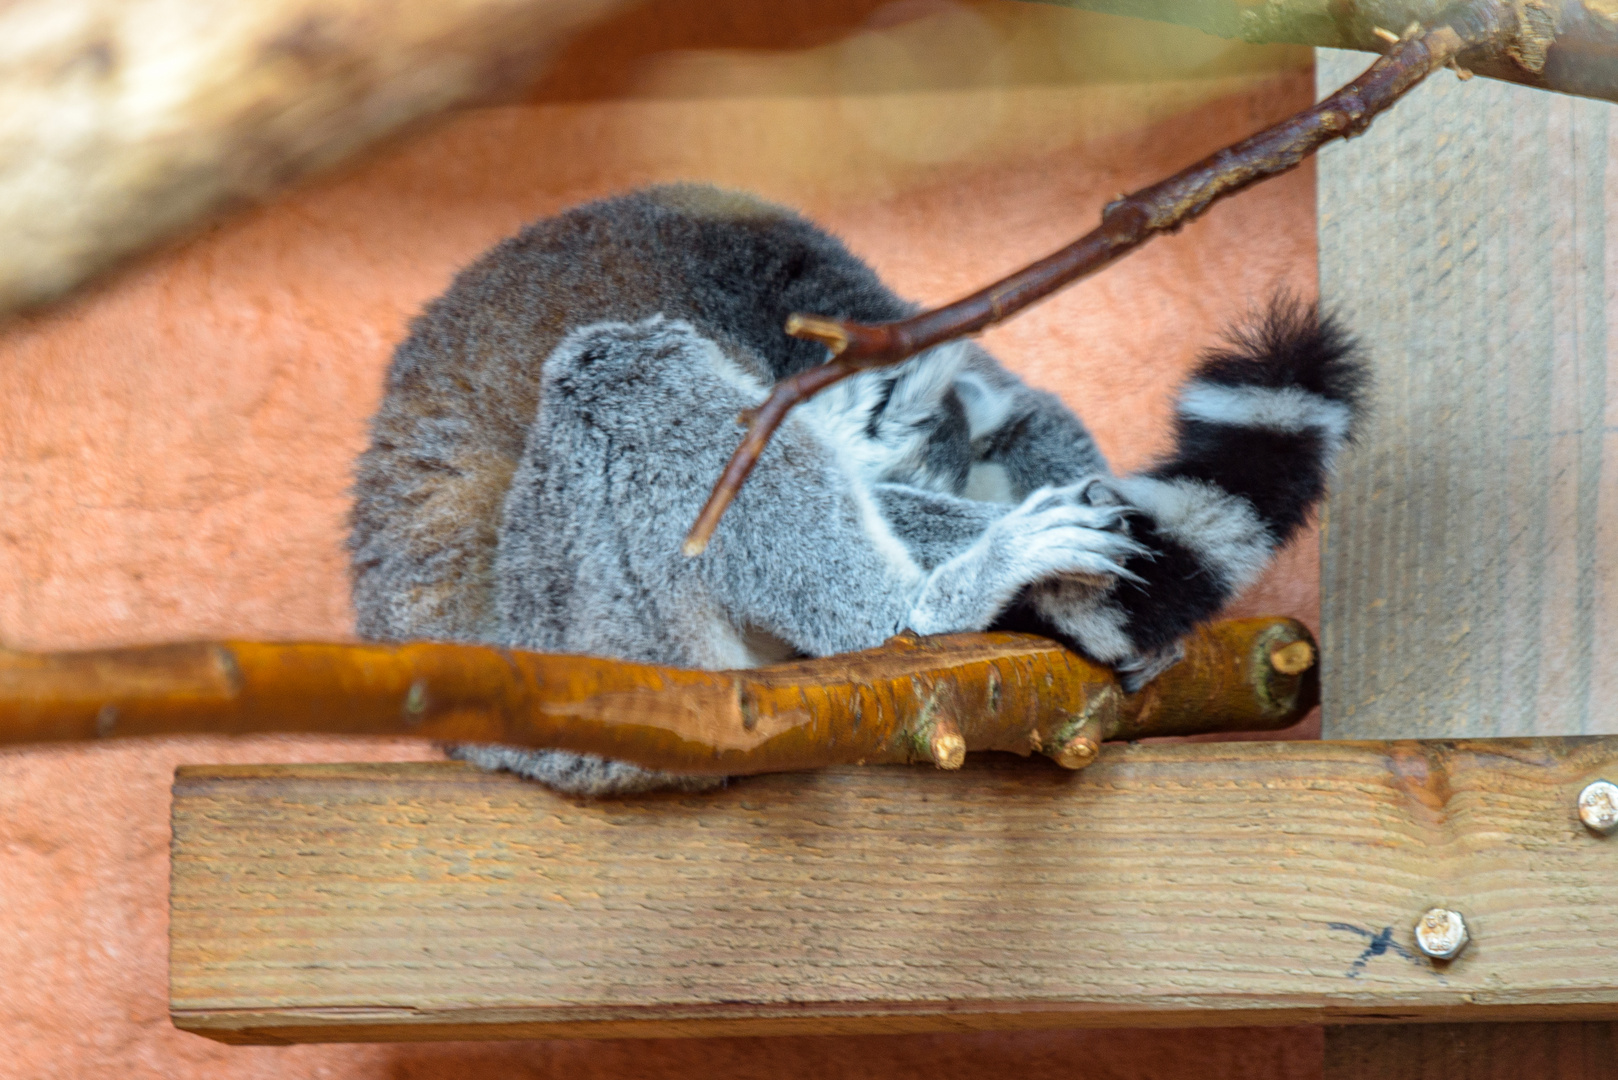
(1257, 427)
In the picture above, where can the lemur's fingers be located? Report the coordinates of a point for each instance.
(1053, 547)
(1104, 519)
(1061, 553)
(1080, 528)
(1061, 531)
(1105, 512)
(1048, 537)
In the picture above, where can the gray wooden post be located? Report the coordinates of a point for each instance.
(1470, 561)
(1469, 569)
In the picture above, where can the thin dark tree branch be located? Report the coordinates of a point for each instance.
(1126, 224)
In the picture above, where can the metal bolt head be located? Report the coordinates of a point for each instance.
(1598, 807)
(1441, 933)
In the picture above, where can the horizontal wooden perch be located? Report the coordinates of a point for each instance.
(913, 699)
(1225, 883)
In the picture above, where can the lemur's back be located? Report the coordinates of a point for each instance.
(463, 387)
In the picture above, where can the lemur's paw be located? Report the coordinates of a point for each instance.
(1056, 534)
(1076, 531)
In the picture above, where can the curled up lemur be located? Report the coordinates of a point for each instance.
(553, 423)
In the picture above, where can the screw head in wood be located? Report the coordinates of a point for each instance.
(1441, 933)
(1598, 807)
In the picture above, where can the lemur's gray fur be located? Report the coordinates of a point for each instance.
(555, 420)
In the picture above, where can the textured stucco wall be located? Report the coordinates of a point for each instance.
(175, 445)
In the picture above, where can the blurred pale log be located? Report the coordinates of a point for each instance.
(123, 122)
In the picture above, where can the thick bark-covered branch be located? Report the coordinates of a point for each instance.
(123, 122)
(1126, 223)
(913, 699)
(1570, 46)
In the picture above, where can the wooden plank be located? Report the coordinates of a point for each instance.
(1209, 884)
(1473, 1052)
(1470, 558)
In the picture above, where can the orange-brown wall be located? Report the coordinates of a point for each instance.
(175, 443)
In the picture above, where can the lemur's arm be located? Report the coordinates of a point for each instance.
(933, 526)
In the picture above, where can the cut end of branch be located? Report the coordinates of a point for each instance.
(1293, 659)
(1077, 752)
(702, 529)
(1083, 742)
(947, 747)
(829, 332)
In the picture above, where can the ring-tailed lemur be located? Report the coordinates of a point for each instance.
(553, 422)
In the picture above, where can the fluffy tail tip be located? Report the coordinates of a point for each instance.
(1293, 345)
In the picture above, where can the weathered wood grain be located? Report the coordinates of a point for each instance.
(1211, 884)
(1471, 543)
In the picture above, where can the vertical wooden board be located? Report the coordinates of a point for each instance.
(1472, 535)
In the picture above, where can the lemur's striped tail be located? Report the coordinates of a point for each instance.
(1257, 428)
